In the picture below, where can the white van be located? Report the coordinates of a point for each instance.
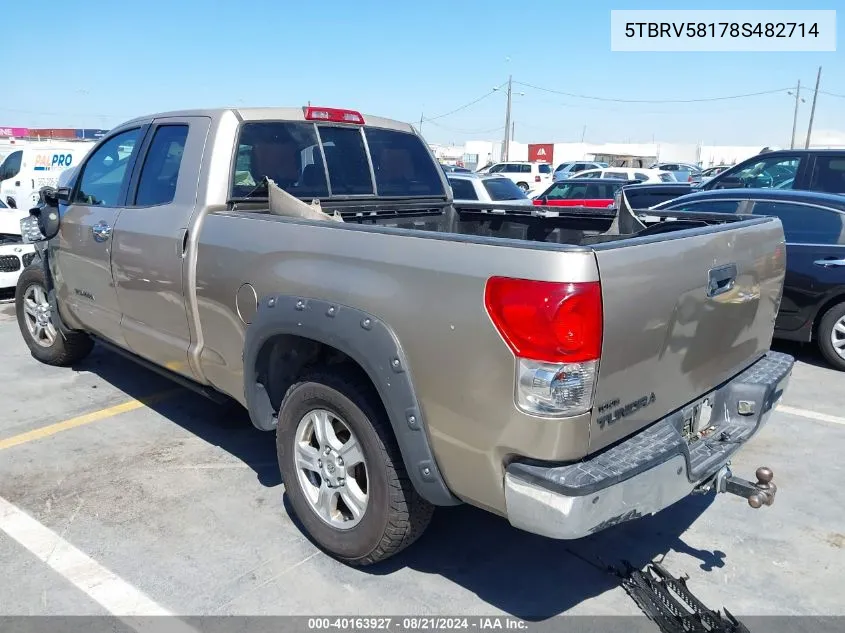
(35, 165)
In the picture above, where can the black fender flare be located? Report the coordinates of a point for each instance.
(370, 343)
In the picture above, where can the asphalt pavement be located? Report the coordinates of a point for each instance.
(120, 491)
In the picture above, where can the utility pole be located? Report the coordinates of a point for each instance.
(795, 115)
(813, 109)
(421, 121)
(583, 132)
(513, 130)
(507, 145)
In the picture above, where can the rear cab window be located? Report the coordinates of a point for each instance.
(311, 160)
(501, 189)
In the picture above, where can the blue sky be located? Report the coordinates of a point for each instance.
(109, 61)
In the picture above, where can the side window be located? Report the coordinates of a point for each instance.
(615, 174)
(105, 173)
(581, 167)
(592, 174)
(463, 189)
(545, 169)
(525, 169)
(495, 169)
(829, 174)
(804, 224)
(778, 172)
(707, 206)
(640, 176)
(160, 173)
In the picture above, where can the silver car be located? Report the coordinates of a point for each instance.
(486, 188)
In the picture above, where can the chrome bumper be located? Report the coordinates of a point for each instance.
(650, 470)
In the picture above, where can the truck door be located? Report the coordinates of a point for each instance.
(151, 239)
(83, 247)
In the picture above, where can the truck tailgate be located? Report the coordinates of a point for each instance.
(682, 314)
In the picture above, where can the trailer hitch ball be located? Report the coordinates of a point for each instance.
(766, 490)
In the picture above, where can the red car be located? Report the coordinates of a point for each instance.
(581, 192)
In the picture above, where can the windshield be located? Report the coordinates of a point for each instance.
(11, 165)
(503, 189)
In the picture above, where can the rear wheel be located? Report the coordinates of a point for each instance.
(522, 185)
(343, 472)
(831, 336)
(35, 319)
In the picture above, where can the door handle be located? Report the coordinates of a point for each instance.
(830, 263)
(101, 231)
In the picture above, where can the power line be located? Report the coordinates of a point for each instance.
(615, 100)
(465, 106)
(462, 131)
(831, 94)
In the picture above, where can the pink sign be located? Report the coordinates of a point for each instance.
(14, 131)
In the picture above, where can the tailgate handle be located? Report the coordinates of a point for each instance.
(721, 280)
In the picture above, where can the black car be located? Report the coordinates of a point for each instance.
(813, 304)
(810, 169)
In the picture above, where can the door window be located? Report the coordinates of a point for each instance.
(589, 174)
(545, 169)
(160, 172)
(615, 174)
(105, 172)
(828, 174)
(706, 206)
(773, 172)
(806, 224)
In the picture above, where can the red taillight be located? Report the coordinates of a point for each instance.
(335, 115)
(536, 178)
(547, 321)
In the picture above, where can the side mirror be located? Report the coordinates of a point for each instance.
(62, 194)
(11, 202)
(729, 182)
(43, 220)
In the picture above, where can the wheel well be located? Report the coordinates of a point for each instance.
(827, 305)
(284, 358)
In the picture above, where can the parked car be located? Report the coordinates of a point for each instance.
(405, 354)
(528, 176)
(684, 172)
(568, 170)
(709, 172)
(454, 169)
(486, 188)
(812, 170)
(15, 255)
(580, 192)
(629, 173)
(647, 195)
(813, 305)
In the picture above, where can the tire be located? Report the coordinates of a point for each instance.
(832, 327)
(523, 186)
(46, 342)
(394, 515)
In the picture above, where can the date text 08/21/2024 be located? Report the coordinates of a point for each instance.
(416, 623)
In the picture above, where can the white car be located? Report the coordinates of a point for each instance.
(527, 176)
(630, 173)
(14, 254)
(486, 188)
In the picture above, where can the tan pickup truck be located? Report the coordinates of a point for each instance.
(567, 369)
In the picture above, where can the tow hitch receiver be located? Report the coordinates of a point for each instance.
(758, 494)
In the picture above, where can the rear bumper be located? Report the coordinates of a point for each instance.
(648, 471)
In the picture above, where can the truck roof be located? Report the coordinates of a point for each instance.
(268, 114)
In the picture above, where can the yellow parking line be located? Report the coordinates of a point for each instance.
(58, 427)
